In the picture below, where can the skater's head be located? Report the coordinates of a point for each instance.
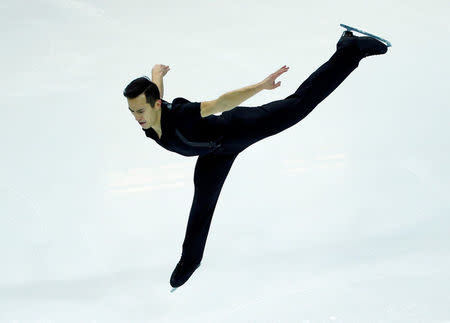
(143, 101)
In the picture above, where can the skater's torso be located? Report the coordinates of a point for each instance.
(185, 132)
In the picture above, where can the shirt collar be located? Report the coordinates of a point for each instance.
(150, 132)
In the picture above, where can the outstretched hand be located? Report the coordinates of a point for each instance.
(160, 69)
(269, 82)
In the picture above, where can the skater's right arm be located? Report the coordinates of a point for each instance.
(158, 72)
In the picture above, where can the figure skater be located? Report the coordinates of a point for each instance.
(192, 129)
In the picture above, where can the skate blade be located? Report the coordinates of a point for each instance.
(175, 288)
(388, 43)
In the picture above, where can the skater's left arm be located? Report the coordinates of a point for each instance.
(232, 99)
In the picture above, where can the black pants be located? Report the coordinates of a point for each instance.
(250, 125)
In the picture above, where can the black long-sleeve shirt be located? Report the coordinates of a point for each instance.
(185, 132)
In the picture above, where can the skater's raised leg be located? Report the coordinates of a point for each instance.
(350, 50)
(255, 123)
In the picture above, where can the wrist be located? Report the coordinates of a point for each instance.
(260, 86)
(157, 75)
(158, 80)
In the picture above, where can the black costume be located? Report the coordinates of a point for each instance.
(217, 140)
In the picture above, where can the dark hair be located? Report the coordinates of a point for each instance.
(142, 84)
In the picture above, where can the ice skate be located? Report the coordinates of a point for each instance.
(182, 272)
(362, 46)
(388, 43)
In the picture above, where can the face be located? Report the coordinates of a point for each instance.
(143, 112)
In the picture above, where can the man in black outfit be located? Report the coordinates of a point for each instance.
(192, 129)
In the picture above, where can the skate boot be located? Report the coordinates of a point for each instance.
(361, 46)
(182, 272)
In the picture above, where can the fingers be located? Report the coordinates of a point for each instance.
(165, 69)
(163, 66)
(283, 69)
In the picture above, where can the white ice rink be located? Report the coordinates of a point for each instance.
(344, 217)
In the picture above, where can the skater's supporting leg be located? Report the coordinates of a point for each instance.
(211, 171)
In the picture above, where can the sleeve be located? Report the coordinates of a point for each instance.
(186, 110)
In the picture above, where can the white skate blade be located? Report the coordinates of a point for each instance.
(388, 43)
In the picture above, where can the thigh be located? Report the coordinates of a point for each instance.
(253, 118)
(248, 125)
(211, 171)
